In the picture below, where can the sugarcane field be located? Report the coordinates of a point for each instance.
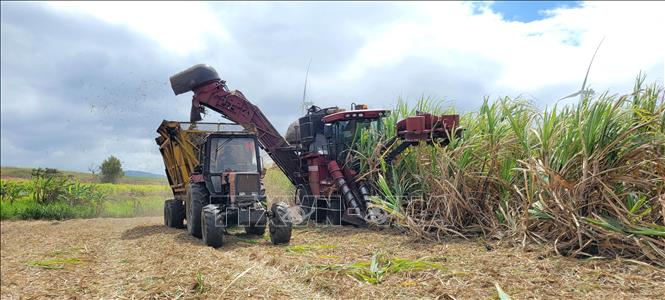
(332, 150)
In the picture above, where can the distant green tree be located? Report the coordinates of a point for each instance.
(111, 170)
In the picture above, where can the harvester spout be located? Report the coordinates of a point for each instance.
(195, 113)
(192, 78)
(211, 92)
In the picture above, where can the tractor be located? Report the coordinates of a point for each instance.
(215, 172)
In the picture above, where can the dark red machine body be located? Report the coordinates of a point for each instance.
(425, 127)
(313, 163)
(356, 114)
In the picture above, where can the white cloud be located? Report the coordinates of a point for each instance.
(457, 35)
(531, 56)
(181, 27)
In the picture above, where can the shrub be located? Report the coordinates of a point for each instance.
(48, 185)
(11, 191)
(52, 191)
(111, 170)
(56, 211)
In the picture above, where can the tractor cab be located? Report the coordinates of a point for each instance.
(233, 154)
(232, 170)
(331, 131)
(343, 128)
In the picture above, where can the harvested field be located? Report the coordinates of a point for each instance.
(141, 258)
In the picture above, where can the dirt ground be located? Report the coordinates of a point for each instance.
(141, 258)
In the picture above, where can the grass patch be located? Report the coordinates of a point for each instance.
(29, 210)
(249, 240)
(277, 185)
(200, 285)
(379, 267)
(56, 263)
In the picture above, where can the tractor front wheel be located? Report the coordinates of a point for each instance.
(198, 197)
(211, 226)
(280, 224)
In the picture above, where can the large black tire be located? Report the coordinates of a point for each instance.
(255, 230)
(176, 214)
(280, 224)
(198, 197)
(167, 212)
(212, 231)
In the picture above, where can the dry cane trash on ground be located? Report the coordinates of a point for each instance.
(141, 258)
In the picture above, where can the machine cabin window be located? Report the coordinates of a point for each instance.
(233, 155)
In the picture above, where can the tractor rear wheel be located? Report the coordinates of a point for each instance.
(211, 226)
(198, 197)
(176, 213)
(167, 212)
(280, 224)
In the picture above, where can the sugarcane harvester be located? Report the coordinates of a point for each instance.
(313, 154)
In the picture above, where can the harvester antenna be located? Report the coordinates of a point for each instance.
(582, 91)
(306, 104)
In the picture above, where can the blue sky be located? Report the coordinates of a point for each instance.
(527, 11)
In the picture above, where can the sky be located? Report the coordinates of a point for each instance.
(84, 80)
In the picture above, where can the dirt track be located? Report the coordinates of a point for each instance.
(140, 258)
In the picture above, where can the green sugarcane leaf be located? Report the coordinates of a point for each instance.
(500, 293)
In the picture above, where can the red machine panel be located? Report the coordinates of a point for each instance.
(356, 114)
